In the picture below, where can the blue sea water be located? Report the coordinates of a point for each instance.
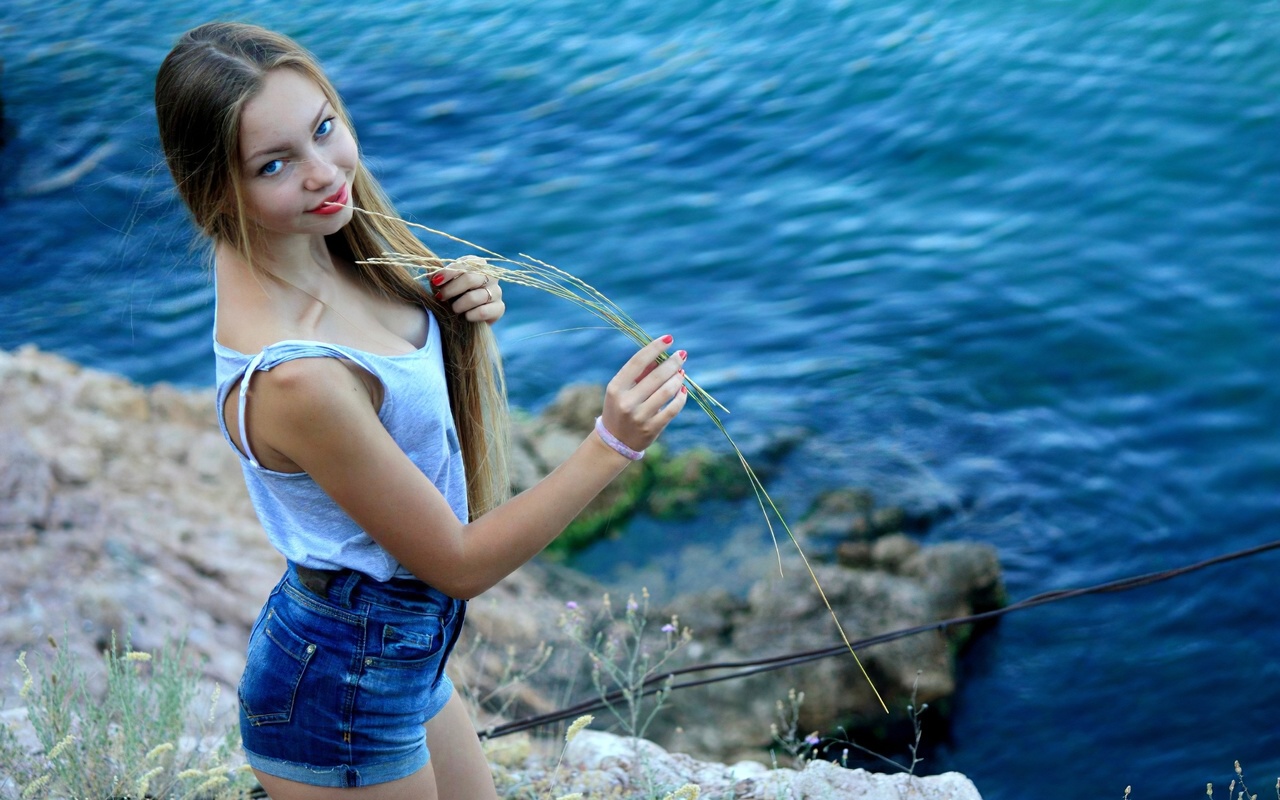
(1016, 258)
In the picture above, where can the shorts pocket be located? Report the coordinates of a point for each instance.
(409, 649)
(276, 660)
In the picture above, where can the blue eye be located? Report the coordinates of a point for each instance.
(271, 167)
(325, 127)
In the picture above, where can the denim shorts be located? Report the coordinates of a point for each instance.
(336, 689)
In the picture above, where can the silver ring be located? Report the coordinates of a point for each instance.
(487, 290)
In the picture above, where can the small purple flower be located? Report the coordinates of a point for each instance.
(632, 605)
(668, 628)
(572, 606)
(812, 740)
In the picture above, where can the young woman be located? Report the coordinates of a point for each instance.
(366, 410)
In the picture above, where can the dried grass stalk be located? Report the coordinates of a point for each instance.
(535, 274)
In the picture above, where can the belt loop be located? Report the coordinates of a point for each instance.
(349, 583)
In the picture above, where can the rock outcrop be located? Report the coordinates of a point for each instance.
(786, 614)
(122, 509)
(603, 765)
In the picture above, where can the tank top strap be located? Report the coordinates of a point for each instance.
(271, 357)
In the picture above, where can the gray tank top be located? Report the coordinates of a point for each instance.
(301, 521)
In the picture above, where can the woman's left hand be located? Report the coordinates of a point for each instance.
(476, 297)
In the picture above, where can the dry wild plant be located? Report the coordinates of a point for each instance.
(494, 682)
(623, 660)
(1236, 782)
(785, 733)
(132, 739)
(535, 274)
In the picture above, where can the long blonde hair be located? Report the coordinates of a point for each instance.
(201, 90)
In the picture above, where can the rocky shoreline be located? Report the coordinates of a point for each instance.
(121, 508)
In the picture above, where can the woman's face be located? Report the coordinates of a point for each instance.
(295, 154)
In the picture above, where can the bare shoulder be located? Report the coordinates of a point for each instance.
(311, 389)
(299, 408)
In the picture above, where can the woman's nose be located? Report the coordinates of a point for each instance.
(320, 173)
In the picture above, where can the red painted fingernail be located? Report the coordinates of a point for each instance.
(684, 356)
(440, 296)
(668, 339)
(437, 279)
(681, 372)
(684, 390)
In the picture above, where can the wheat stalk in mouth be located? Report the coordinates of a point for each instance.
(536, 274)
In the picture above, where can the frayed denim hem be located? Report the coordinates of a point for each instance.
(341, 776)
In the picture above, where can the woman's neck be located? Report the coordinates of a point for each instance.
(311, 296)
(289, 281)
(302, 262)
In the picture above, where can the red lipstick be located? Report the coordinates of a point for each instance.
(333, 203)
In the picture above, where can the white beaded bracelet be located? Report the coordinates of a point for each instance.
(615, 443)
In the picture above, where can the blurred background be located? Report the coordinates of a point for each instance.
(1017, 260)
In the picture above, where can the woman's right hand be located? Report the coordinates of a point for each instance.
(645, 395)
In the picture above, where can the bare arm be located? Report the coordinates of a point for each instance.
(319, 414)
